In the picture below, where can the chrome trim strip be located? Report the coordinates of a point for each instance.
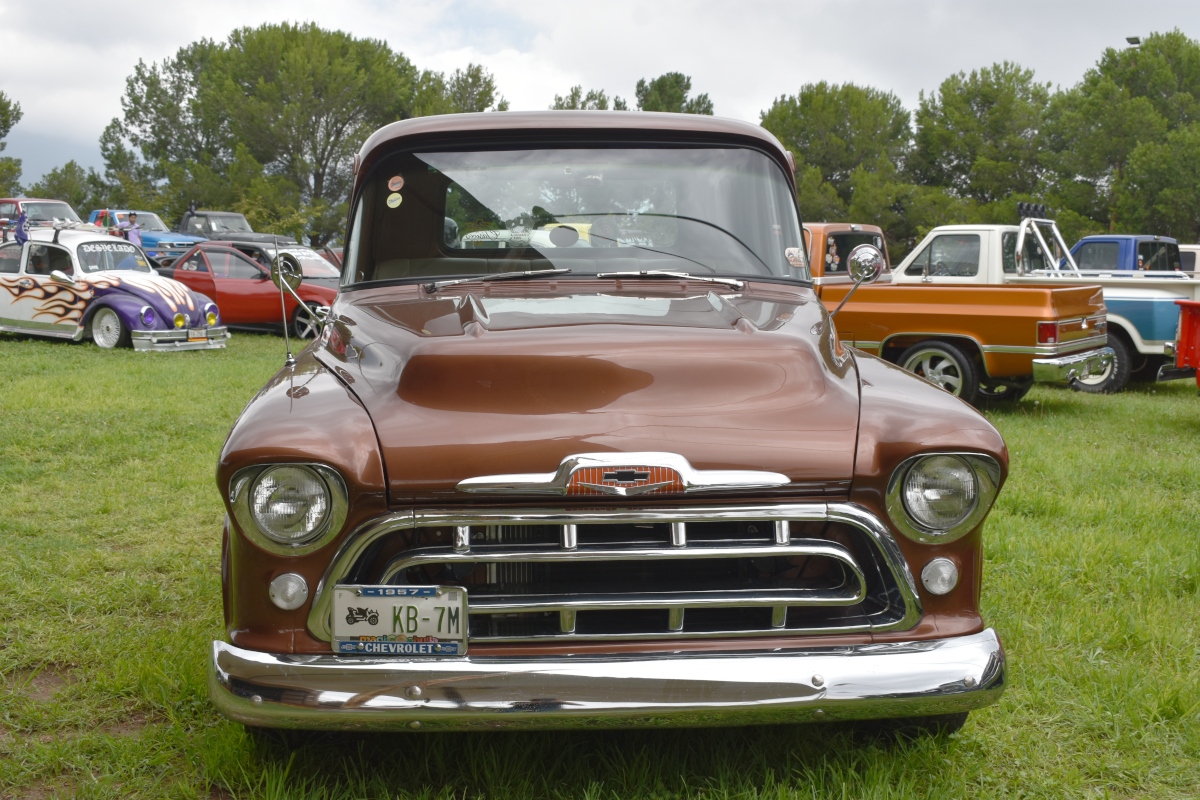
(896, 679)
(1050, 350)
(1068, 368)
(366, 535)
(556, 483)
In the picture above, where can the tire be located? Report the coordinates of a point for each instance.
(107, 329)
(908, 728)
(1113, 379)
(943, 365)
(1148, 371)
(1000, 393)
(304, 326)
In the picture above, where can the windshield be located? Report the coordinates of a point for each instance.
(225, 223)
(101, 256)
(145, 220)
(702, 210)
(52, 211)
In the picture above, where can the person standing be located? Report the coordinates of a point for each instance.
(22, 232)
(131, 230)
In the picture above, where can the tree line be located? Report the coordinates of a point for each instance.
(268, 121)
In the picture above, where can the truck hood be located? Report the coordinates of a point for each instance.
(496, 380)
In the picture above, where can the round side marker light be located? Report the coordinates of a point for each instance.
(940, 576)
(289, 591)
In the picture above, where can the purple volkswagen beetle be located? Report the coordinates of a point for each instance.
(75, 283)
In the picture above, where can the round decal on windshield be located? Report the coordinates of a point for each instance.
(394, 199)
(396, 183)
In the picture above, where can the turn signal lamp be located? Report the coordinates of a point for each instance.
(940, 576)
(1047, 333)
(180, 320)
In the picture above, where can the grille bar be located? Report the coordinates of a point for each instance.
(508, 604)
(891, 605)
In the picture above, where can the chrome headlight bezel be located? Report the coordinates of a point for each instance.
(241, 490)
(987, 484)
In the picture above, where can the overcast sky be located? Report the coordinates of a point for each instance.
(66, 62)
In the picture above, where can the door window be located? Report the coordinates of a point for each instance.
(228, 264)
(44, 259)
(10, 258)
(195, 263)
(952, 254)
(8, 211)
(1099, 255)
(1187, 261)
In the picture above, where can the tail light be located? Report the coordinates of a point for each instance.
(1047, 333)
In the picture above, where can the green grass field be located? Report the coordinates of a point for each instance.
(110, 594)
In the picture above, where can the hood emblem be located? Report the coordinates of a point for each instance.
(624, 475)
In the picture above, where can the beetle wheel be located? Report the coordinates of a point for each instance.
(107, 329)
(943, 365)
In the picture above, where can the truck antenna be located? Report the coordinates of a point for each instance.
(277, 275)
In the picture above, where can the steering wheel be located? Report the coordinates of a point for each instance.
(939, 268)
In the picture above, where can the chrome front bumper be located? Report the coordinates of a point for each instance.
(1068, 368)
(873, 681)
(178, 339)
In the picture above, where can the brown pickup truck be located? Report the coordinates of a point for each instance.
(984, 344)
(590, 454)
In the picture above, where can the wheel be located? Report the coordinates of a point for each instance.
(913, 727)
(1113, 379)
(304, 326)
(943, 365)
(1147, 372)
(108, 331)
(350, 619)
(373, 619)
(1001, 392)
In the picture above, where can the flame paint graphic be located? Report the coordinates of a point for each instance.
(58, 301)
(173, 293)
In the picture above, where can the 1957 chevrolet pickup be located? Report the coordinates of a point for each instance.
(592, 454)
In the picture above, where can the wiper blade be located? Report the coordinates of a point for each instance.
(499, 276)
(666, 273)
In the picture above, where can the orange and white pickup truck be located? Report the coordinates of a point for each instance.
(984, 344)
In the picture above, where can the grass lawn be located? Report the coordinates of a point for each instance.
(109, 597)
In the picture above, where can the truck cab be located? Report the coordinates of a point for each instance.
(224, 226)
(1141, 311)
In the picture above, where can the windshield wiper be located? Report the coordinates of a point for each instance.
(666, 273)
(499, 276)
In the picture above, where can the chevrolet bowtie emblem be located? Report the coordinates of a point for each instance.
(626, 476)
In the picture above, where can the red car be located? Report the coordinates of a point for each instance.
(243, 290)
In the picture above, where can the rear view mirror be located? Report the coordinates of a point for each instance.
(58, 276)
(285, 270)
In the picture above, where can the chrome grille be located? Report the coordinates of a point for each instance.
(600, 574)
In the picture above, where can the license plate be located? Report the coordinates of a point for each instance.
(197, 334)
(400, 620)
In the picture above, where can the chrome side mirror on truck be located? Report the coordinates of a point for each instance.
(865, 264)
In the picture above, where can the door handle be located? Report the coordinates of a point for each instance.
(25, 283)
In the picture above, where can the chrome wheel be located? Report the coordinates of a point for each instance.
(305, 326)
(937, 367)
(107, 330)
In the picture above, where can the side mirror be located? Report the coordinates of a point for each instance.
(286, 272)
(866, 263)
(58, 276)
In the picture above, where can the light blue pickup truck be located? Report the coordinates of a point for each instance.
(1142, 314)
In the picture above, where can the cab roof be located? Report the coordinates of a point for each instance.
(498, 125)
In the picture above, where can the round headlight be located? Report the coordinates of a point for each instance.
(290, 504)
(147, 316)
(211, 318)
(940, 492)
(180, 320)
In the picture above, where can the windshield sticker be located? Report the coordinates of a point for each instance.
(394, 199)
(395, 184)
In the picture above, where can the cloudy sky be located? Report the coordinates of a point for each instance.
(66, 62)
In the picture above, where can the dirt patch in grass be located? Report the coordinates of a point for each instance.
(43, 790)
(133, 725)
(39, 686)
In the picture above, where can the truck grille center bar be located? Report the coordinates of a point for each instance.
(659, 573)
